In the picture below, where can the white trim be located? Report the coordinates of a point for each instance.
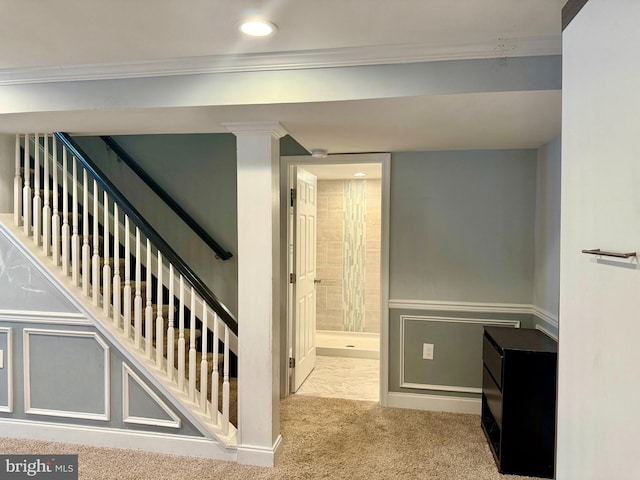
(545, 316)
(436, 403)
(256, 62)
(547, 332)
(104, 416)
(451, 306)
(384, 277)
(260, 456)
(52, 318)
(444, 388)
(157, 422)
(117, 438)
(8, 365)
(256, 128)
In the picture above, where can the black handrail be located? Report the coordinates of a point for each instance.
(166, 198)
(126, 206)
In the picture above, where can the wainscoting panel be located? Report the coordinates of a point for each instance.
(6, 370)
(457, 352)
(66, 374)
(141, 405)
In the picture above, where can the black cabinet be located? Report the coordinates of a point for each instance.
(519, 399)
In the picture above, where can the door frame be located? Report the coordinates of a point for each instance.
(286, 164)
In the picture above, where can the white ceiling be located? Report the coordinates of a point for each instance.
(344, 171)
(38, 37)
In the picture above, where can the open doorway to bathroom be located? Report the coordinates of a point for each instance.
(347, 297)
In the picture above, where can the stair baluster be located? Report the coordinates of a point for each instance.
(215, 374)
(137, 301)
(148, 313)
(126, 293)
(192, 348)
(95, 260)
(17, 185)
(46, 209)
(86, 249)
(37, 199)
(204, 364)
(181, 346)
(117, 299)
(225, 384)
(171, 328)
(66, 240)
(75, 238)
(26, 191)
(106, 269)
(159, 318)
(55, 219)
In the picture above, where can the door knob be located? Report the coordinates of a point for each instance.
(317, 280)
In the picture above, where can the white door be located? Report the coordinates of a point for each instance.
(304, 291)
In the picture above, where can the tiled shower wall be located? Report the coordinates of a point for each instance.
(348, 255)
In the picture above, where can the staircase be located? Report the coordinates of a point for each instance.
(142, 290)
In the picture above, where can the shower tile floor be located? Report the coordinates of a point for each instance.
(343, 377)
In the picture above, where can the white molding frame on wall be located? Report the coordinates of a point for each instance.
(436, 387)
(547, 332)
(49, 318)
(8, 365)
(452, 306)
(128, 373)
(104, 416)
(545, 316)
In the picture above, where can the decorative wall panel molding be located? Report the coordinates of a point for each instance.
(404, 319)
(7, 368)
(129, 376)
(59, 374)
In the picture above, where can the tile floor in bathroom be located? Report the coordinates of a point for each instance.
(344, 377)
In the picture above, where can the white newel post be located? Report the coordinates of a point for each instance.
(8, 173)
(258, 157)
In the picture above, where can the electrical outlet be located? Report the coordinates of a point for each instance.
(427, 351)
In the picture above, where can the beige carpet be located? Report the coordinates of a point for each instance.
(323, 439)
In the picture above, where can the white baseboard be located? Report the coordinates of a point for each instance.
(117, 438)
(436, 403)
(260, 456)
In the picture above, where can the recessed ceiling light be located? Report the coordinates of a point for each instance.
(258, 28)
(319, 153)
(359, 174)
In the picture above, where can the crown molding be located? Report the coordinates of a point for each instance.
(341, 57)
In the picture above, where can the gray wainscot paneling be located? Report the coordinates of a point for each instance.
(456, 368)
(72, 375)
(23, 287)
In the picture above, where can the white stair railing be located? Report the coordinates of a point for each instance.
(99, 278)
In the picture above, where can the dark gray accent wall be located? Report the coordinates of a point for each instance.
(23, 286)
(462, 226)
(199, 172)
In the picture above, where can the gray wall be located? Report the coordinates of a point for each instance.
(23, 286)
(462, 230)
(546, 292)
(462, 226)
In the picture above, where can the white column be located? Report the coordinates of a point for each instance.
(7, 172)
(258, 156)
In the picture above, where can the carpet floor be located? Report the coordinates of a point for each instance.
(323, 438)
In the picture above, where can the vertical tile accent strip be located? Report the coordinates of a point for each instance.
(353, 255)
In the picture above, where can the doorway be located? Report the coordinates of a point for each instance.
(349, 297)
